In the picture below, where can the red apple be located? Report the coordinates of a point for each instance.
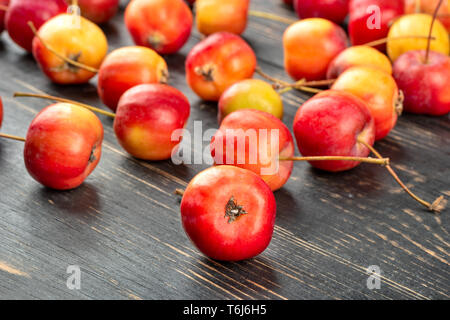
(425, 84)
(4, 3)
(245, 139)
(63, 146)
(98, 11)
(334, 10)
(370, 20)
(147, 116)
(330, 124)
(20, 12)
(228, 213)
(218, 62)
(163, 25)
(127, 67)
(309, 47)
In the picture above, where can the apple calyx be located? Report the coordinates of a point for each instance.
(156, 40)
(92, 157)
(398, 104)
(207, 72)
(164, 78)
(233, 210)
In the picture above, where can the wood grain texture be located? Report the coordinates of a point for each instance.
(122, 226)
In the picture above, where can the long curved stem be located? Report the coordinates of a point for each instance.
(435, 206)
(53, 98)
(270, 16)
(386, 40)
(280, 84)
(11, 137)
(427, 54)
(379, 161)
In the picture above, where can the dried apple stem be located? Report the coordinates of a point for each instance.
(435, 206)
(280, 84)
(48, 97)
(379, 161)
(270, 16)
(386, 40)
(66, 59)
(179, 192)
(11, 137)
(427, 54)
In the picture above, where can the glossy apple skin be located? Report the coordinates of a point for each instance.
(225, 146)
(87, 45)
(165, 32)
(127, 67)
(217, 15)
(329, 124)
(416, 25)
(334, 10)
(359, 31)
(21, 11)
(63, 146)
(2, 14)
(358, 56)
(429, 6)
(426, 86)
(229, 58)
(146, 117)
(309, 47)
(206, 224)
(98, 11)
(250, 94)
(379, 90)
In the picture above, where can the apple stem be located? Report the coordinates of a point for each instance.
(427, 54)
(3, 8)
(379, 161)
(11, 137)
(48, 97)
(179, 192)
(66, 59)
(270, 16)
(280, 84)
(434, 207)
(386, 40)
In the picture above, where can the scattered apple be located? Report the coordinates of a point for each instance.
(20, 12)
(163, 25)
(334, 10)
(218, 62)
(228, 213)
(309, 47)
(63, 146)
(217, 15)
(127, 67)
(97, 11)
(146, 117)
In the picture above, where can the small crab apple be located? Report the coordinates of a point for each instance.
(20, 12)
(379, 90)
(97, 11)
(4, 4)
(228, 213)
(370, 20)
(127, 67)
(250, 94)
(255, 140)
(309, 47)
(217, 15)
(85, 43)
(218, 62)
(163, 25)
(146, 118)
(331, 123)
(416, 25)
(358, 56)
(63, 146)
(334, 10)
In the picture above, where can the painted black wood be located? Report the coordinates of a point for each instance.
(122, 226)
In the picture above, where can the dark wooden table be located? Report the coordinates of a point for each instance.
(122, 226)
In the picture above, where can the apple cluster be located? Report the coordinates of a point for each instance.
(392, 59)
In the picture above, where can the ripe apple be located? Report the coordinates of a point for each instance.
(358, 56)
(4, 3)
(127, 67)
(146, 117)
(309, 47)
(418, 24)
(85, 44)
(334, 10)
(425, 84)
(228, 213)
(379, 90)
(250, 94)
(20, 12)
(370, 20)
(98, 11)
(163, 25)
(244, 139)
(63, 146)
(330, 124)
(218, 62)
(217, 15)
(429, 6)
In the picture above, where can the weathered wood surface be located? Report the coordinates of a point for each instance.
(122, 226)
